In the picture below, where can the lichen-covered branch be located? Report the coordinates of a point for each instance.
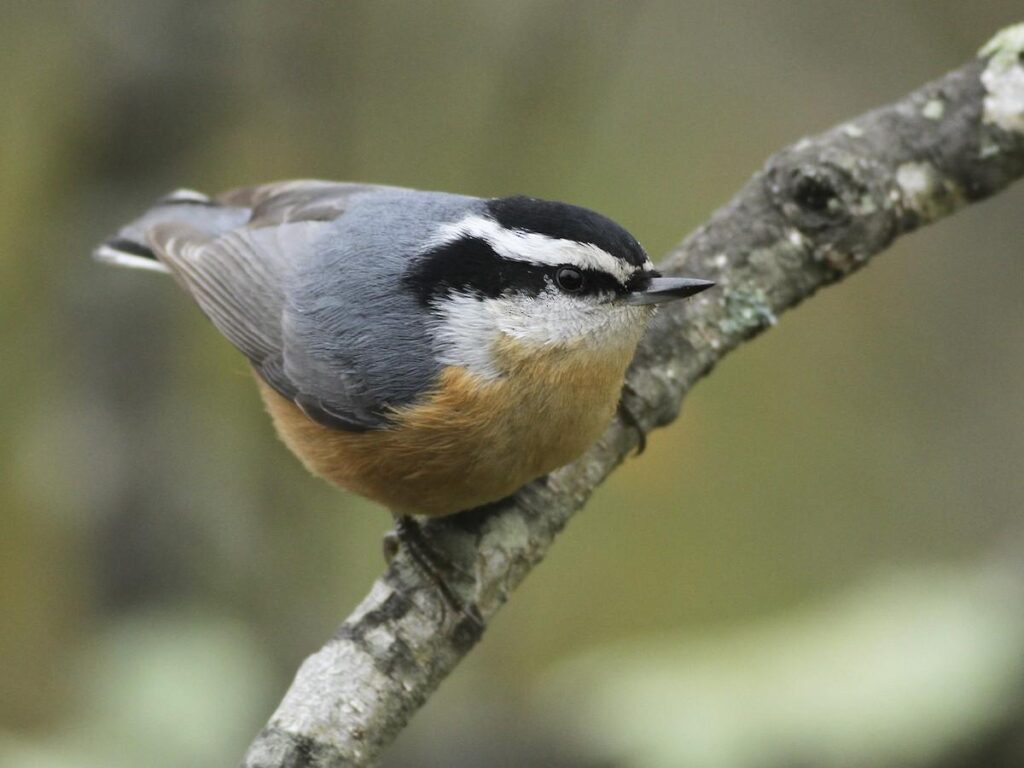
(818, 211)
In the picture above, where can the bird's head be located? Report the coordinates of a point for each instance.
(540, 275)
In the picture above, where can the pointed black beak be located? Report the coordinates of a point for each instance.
(662, 289)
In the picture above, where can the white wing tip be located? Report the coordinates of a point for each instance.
(185, 195)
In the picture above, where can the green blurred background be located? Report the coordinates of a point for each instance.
(816, 565)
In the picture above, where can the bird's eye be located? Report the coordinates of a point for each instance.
(569, 279)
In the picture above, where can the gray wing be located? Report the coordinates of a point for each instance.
(292, 201)
(239, 276)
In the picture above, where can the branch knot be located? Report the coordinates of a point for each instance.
(843, 202)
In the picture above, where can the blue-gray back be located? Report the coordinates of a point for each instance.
(349, 327)
(310, 289)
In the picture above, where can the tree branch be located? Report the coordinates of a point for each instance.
(817, 212)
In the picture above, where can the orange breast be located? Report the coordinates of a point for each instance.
(471, 440)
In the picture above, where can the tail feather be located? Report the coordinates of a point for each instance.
(186, 196)
(130, 246)
(122, 252)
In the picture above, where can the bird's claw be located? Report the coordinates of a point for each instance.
(431, 565)
(629, 418)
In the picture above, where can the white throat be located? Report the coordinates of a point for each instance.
(469, 328)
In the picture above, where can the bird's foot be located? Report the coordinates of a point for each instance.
(432, 566)
(630, 419)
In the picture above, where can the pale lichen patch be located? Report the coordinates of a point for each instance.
(1003, 79)
(917, 180)
(866, 205)
(925, 191)
(934, 109)
(987, 149)
(746, 309)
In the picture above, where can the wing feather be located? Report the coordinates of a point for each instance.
(237, 277)
(288, 201)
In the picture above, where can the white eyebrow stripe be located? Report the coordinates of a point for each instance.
(536, 248)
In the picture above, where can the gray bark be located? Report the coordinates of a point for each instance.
(818, 211)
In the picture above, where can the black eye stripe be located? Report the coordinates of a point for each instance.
(596, 282)
(640, 280)
(470, 264)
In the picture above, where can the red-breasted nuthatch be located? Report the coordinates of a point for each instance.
(432, 352)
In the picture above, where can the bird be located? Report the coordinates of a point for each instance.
(430, 351)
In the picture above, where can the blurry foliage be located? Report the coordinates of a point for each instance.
(902, 671)
(152, 523)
